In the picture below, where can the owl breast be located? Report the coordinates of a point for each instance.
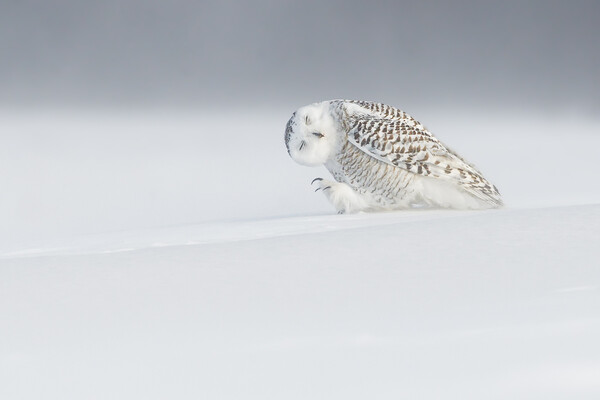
(384, 185)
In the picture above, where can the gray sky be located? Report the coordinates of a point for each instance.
(537, 54)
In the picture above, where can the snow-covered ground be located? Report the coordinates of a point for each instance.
(161, 256)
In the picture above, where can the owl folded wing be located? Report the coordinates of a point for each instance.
(393, 137)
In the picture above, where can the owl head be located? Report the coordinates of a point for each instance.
(311, 134)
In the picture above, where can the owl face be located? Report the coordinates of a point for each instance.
(311, 135)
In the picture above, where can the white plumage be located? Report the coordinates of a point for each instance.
(383, 159)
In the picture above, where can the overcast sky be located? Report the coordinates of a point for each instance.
(536, 54)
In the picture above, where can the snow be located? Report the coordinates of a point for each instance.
(149, 256)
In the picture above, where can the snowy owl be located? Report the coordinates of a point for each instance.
(383, 159)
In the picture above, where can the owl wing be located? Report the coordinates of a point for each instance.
(395, 138)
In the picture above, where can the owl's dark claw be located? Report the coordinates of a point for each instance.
(316, 179)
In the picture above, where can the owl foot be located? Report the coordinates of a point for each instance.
(341, 196)
(322, 184)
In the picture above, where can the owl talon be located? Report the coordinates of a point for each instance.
(316, 179)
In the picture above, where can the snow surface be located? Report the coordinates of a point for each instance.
(177, 256)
